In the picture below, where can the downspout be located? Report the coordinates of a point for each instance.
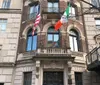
(83, 21)
(87, 49)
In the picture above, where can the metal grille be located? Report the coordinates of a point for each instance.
(52, 78)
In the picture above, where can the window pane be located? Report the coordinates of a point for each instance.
(56, 37)
(6, 3)
(97, 22)
(3, 24)
(75, 44)
(29, 43)
(27, 78)
(55, 7)
(72, 11)
(50, 37)
(71, 43)
(50, 5)
(34, 46)
(78, 78)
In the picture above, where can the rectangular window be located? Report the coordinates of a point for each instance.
(78, 78)
(97, 22)
(6, 3)
(53, 6)
(96, 3)
(3, 24)
(27, 78)
(33, 11)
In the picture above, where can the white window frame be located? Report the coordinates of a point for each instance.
(97, 23)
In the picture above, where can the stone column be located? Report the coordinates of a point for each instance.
(37, 72)
(69, 72)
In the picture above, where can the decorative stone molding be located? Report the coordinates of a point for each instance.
(53, 65)
(72, 26)
(46, 26)
(69, 72)
(24, 34)
(37, 69)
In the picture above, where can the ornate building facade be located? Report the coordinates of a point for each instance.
(50, 56)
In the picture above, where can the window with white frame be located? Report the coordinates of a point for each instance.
(96, 3)
(3, 24)
(97, 22)
(6, 3)
(53, 6)
(74, 40)
(72, 12)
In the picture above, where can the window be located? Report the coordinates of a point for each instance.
(33, 11)
(78, 78)
(74, 40)
(96, 3)
(27, 78)
(6, 3)
(97, 22)
(53, 37)
(3, 24)
(31, 41)
(72, 12)
(53, 6)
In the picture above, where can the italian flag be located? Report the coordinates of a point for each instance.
(63, 19)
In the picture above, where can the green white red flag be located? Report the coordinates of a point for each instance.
(63, 19)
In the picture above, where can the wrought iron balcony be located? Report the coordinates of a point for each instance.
(93, 59)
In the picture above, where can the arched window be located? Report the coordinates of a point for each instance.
(31, 41)
(52, 37)
(74, 40)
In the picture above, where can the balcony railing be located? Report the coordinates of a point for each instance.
(52, 51)
(93, 56)
(52, 10)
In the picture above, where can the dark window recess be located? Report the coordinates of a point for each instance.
(52, 78)
(6, 4)
(53, 37)
(31, 41)
(78, 78)
(27, 78)
(74, 40)
(1, 83)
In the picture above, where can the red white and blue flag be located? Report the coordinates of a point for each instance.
(37, 20)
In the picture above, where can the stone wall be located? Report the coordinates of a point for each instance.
(20, 69)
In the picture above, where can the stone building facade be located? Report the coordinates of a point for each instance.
(48, 57)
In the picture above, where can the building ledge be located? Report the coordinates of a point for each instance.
(15, 11)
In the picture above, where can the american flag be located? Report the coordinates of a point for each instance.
(37, 20)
